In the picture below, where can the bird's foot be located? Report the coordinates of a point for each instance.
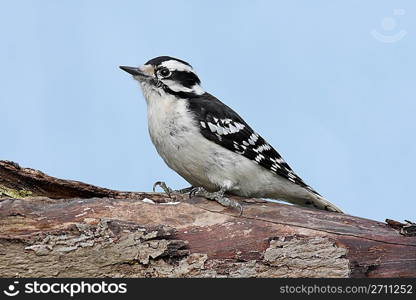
(163, 186)
(216, 196)
(168, 190)
(185, 190)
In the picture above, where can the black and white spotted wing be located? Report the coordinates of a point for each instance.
(220, 124)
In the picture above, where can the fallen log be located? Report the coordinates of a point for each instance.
(51, 227)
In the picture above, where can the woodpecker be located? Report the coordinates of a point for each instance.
(209, 144)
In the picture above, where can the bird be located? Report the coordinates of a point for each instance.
(210, 145)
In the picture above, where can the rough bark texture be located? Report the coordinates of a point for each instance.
(53, 227)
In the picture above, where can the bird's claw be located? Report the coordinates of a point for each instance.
(185, 190)
(216, 196)
(196, 191)
(227, 202)
(163, 186)
(168, 190)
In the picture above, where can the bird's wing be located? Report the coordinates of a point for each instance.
(223, 126)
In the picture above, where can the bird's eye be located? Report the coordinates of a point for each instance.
(164, 72)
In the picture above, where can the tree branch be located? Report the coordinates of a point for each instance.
(54, 227)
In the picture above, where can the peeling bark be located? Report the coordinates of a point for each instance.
(51, 227)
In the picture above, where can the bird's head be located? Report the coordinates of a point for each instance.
(165, 74)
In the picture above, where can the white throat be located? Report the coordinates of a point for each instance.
(151, 93)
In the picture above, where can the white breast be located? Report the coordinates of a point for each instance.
(176, 137)
(201, 162)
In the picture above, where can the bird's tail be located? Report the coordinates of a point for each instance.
(316, 201)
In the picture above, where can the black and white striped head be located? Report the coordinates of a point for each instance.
(165, 74)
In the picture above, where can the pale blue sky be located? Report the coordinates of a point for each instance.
(318, 79)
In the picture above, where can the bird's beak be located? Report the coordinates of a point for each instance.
(132, 70)
(139, 73)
